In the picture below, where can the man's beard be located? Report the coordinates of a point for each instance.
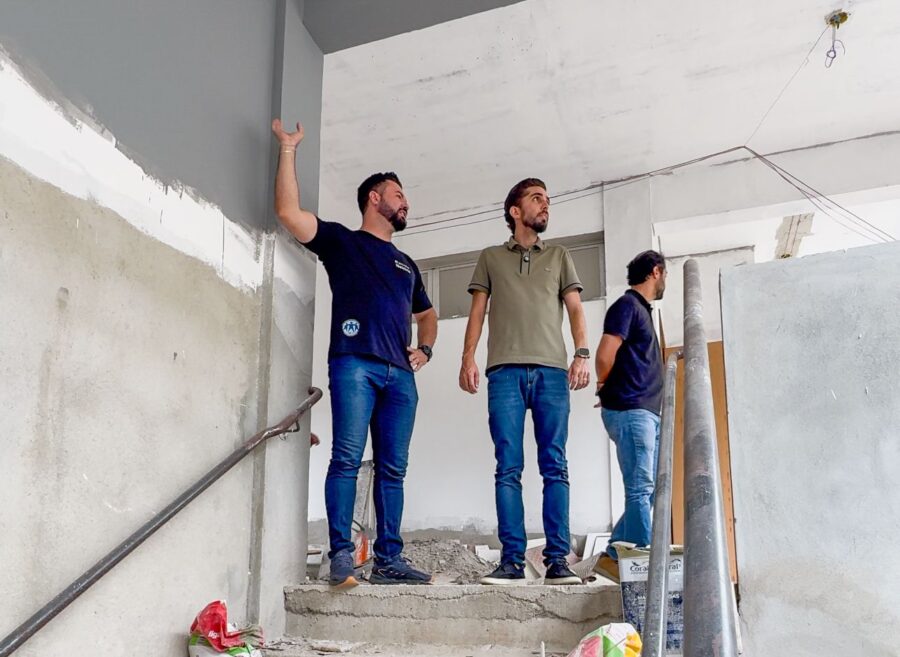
(538, 224)
(398, 222)
(660, 290)
(394, 218)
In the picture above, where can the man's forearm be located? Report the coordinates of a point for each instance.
(473, 335)
(474, 325)
(579, 328)
(606, 356)
(577, 322)
(603, 367)
(426, 329)
(287, 191)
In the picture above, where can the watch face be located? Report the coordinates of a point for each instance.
(583, 353)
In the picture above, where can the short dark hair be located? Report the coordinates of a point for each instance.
(370, 183)
(640, 268)
(515, 195)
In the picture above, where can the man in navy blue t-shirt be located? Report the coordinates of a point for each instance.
(630, 386)
(376, 289)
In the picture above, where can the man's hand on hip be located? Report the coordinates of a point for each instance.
(599, 388)
(417, 358)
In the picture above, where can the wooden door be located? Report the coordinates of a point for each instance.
(717, 378)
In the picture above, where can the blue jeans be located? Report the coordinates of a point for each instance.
(511, 390)
(367, 393)
(636, 435)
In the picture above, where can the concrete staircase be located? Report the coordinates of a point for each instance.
(447, 619)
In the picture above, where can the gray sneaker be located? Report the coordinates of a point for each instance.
(343, 575)
(399, 571)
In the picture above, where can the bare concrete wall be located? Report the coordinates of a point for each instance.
(812, 348)
(128, 370)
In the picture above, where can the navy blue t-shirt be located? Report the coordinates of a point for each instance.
(375, 290)
(636, 378)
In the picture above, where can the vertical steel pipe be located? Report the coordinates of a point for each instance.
(654, 629)
(709, 622)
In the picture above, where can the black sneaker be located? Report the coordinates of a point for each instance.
(506, 574)
(558, 572)
(399, 571)
(343, 576)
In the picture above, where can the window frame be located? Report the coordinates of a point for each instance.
(431, 267)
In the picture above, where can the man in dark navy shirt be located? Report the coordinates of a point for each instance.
(376, 289)
(630, 386)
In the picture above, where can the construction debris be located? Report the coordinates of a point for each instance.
(449, 561)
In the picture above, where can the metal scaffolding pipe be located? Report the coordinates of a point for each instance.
(654, 634)
(709, 623)
(48, 612)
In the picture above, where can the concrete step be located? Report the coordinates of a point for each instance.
(454, 615)
(313, 648)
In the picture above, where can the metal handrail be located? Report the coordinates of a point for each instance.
(26, 630)
(709, 623)
(654, 636)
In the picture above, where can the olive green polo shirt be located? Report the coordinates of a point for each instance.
(526, 287)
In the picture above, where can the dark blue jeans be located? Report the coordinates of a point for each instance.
(512, 389)
(367, 393)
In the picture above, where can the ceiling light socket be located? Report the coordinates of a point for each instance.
(837, 18)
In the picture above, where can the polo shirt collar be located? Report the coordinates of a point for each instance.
(513, 245)
(641, 298)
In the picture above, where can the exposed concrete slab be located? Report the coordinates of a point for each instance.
(340, 24)
(471, 615)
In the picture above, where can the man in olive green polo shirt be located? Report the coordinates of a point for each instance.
(528, 283)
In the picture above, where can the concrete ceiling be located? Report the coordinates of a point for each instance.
(578, 91)
(339, 24)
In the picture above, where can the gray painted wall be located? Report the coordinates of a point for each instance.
(812, 348)
(340, 24)
(185, 87)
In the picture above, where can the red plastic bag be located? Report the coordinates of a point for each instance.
(212, 625)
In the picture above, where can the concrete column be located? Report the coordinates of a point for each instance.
(281, 469)
(627, 230)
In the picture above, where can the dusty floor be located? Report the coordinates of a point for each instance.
(448, 561)
(304, 648)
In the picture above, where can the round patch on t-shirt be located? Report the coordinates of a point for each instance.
(350, 327)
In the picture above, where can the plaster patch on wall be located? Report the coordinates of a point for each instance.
(70, 153)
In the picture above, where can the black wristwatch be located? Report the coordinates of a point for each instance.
(583, 353)
(425, 349)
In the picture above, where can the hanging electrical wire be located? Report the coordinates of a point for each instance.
(809, 191)
(834, 21)
(563, 197)
(821, 202)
